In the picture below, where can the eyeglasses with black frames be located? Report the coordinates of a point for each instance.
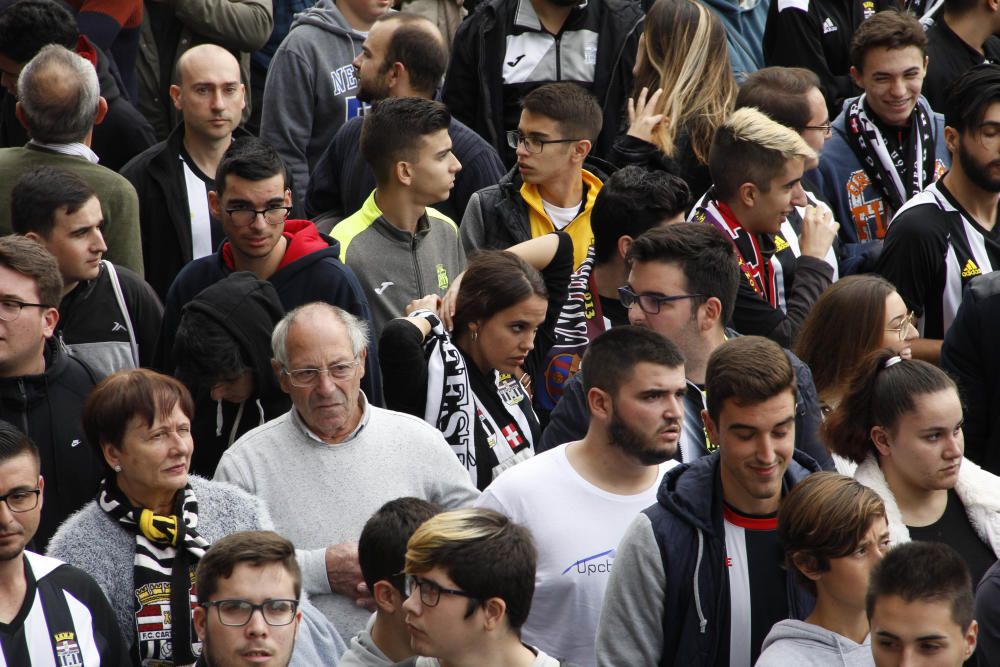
(533, 145)
(22, 500)
(430, 593)
(237, 613)
(10, 309)
(244, 217)
(649, 303)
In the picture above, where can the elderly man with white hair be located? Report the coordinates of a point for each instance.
(328, 464)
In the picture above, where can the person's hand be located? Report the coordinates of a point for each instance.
(642, 117)
(343, 571)
(431, 302)
(818, 231)
(447, 309)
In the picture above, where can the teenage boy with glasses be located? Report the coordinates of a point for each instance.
(248, 601)
(470, 577)
(548, 189)
(252, 200)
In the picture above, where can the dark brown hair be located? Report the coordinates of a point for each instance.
(879, 396)
(134, 393)
(747, 370)
(780, 92)
(494, 280)
(577, 111)
(825, 516)
(889, 29)
(31, 259)
(843, 327)
(256, 547)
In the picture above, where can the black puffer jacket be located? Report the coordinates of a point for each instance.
(47, 408)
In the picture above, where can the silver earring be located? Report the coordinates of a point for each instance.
(118, 468)
(475, 335)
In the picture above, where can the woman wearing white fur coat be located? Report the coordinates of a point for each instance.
(901, 422)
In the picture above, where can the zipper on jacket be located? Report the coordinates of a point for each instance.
(24, 407)
(416, 266)
(559, 56)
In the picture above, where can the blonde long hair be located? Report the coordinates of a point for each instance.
(684, 52)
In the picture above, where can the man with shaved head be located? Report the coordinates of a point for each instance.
(174, 177)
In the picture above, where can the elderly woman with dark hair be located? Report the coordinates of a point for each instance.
(142, 538)
(470, 383)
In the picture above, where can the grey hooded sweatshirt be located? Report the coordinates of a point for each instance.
(803, 644)
(311, 91)
(363, 652)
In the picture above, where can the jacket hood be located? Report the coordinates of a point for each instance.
(247, 309)
(305, 245)
(324, 14)
(685, 488)
(816, 640)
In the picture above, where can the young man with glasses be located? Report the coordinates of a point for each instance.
(42, 388)
(683, 283)
(399, 247)
(470, 578)
(249, 585)
(48, 609)
(756, 166)
(948, 234)
(324, 467)
(548, 189)
(253, 200)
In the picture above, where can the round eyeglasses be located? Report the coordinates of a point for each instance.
(237, 613)
(904, 326)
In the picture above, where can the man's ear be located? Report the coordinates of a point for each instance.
(396, 75)
(387, 598)
(22, 118)
(581, 149)
(50, 318)
(600, 403)
(282, 379)
(175, 95)
(951, 139)
(102, 110)
(215, 204)
(807, 566)
(494, 613)
(404, 173)
(971, 637)
(624, 245)
(709, 314)
(856, 77)
(200, 617)
(710, 427)
(747, 194)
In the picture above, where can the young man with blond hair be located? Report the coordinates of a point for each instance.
(756, 166)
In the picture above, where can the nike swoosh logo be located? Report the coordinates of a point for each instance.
(383, 287)
(515, 61)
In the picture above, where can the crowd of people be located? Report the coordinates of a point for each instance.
(529, 333)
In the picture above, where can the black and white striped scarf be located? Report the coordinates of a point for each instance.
(163, 574)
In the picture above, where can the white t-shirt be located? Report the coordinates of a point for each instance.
(561, 217)
(577, 527)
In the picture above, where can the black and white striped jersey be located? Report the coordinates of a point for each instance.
(64, 621)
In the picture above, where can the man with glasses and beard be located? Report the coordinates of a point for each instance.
(578, 498)
(948, 234)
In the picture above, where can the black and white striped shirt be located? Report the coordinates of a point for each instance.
(64, 621)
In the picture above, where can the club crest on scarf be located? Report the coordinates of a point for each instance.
(580, 322)
(890, 175)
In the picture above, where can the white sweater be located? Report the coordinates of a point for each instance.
(320, 494)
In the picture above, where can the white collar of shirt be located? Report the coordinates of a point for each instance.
(76, 149)
(365, 416)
